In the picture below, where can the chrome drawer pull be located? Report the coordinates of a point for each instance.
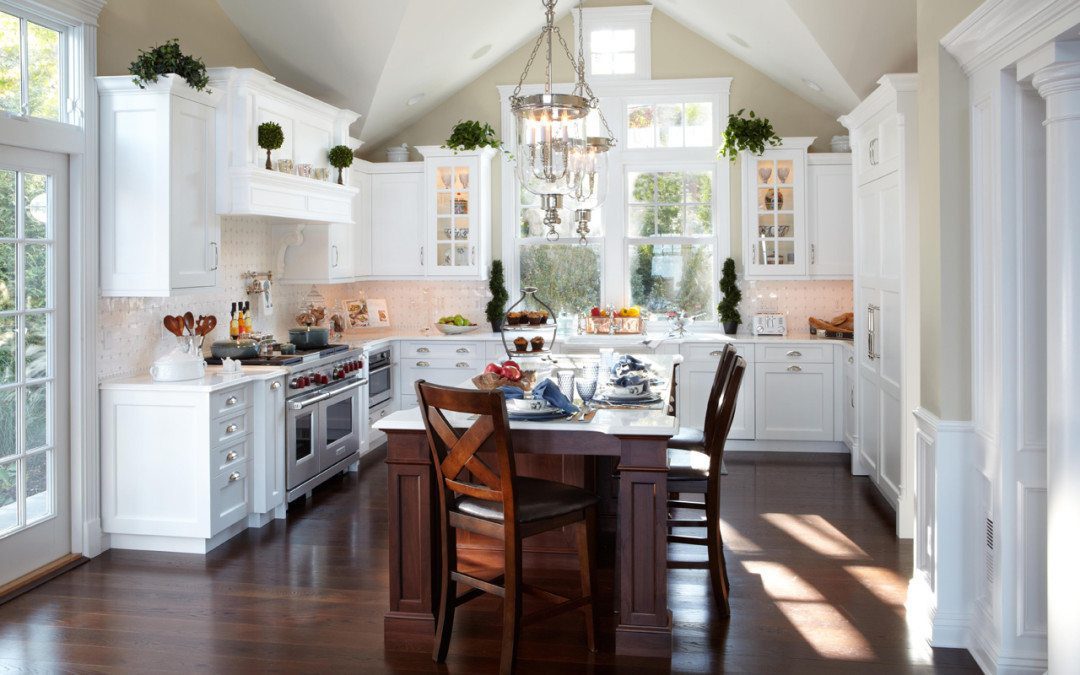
(231, 428)
(462, 350)
(851, 359)
(422, 364)
(231, 456)
(718, 352)
(462, 364)
(234, 476)
(422, 350)
(274, 386)
(794, 369)
(230, 401)
(794, 354)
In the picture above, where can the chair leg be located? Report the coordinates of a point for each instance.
(717, 564)
(586, 544)
(511, 603)
(447, 595)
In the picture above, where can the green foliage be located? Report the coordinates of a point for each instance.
(729, 306)
(340, 156)
(165, 59)
(567, 275)
(667, 277)
(499, 296)
(747, 133)
(470, 135)
(271, 136)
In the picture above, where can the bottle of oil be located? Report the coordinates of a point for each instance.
(249, 321)
(234, 323)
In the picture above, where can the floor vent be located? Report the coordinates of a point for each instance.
(989, 552)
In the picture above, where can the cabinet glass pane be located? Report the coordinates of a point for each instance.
(461, 229)
(461, 178)
(775, 252)
(443, 176)
(766, 172)
(767, 225)
(784, 169)
(443, 203)
(444, 228)
(772, 199)
(461, 203)
(785, 225)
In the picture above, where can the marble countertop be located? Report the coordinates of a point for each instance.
(212, 380)
(378, 336)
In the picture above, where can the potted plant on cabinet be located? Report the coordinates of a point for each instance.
(729, 306)
(499, 296)
(747, 133)
(470, 135)
(270, 138)
(340, 157)
(167, 59)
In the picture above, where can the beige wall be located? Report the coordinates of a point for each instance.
(676, 53)
(204, 31)
(944, 231)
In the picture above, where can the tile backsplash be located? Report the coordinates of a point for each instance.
(798, 300)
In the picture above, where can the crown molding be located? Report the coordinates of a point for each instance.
(69, 12)
(1007, 28)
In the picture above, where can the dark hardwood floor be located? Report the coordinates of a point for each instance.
(818, 586)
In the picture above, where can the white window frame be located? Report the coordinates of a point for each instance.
(614, 98)
(637, 18)
(24, 16)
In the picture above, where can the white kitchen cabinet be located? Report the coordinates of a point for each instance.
(794, 401)
(268, 465)
(311, 128)
(314, 253)
(457, 217)
(696, 375)
(847, 400)
(829, 219)
(160, 235)
(440, 362)
(775, 234)
(397, 232)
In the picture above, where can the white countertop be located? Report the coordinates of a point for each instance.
(213, 380)
(610, 421)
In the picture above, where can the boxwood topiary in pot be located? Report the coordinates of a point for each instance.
(729, 306)
(340, 157)
(270, 138)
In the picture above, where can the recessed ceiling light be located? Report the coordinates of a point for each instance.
(415, 99)
(481, 52)
(813, 85)
(738, 40)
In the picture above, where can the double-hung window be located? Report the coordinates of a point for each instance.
(31, 68)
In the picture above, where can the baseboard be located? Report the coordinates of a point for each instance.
(35, 578)
(94, 540)
(787, 446)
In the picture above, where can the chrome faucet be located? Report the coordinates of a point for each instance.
(611, 322)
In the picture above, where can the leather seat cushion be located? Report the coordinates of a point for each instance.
(687, 465)
(688, 438)
(537, 499)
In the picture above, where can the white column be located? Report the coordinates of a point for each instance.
(1059, 84)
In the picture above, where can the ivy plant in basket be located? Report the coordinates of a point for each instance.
(747, 133)
(167, 59)
(470, 135)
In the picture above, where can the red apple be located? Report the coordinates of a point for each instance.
(512, 373)
(494, 368)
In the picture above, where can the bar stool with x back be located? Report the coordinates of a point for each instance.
(498, 504)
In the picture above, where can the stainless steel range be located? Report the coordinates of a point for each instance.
(325, 413)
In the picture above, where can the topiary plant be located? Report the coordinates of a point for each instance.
(470, 135)
(747, 133)
(340, 157)
(270, 138)
(729, 306)
(165, 59)
(499, 296)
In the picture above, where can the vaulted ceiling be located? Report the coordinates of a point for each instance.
(393, 61)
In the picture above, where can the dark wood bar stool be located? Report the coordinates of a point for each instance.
(693, 438)
(692, 478)
(501, 505)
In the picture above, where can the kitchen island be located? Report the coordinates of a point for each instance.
(637, 438)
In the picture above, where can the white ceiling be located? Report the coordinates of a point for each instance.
(373, 56)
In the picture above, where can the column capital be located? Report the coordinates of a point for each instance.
(1057, 79)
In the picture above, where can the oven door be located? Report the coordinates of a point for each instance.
(341, 420)
(380, 386)
(303, 438)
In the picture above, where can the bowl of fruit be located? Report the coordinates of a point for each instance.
(455, 325)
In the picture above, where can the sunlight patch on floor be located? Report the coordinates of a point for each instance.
(886, 585)
(735, 541)
(817, 534)
(826, 630)
(781, 583)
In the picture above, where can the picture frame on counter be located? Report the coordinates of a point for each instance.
(357, 314)
(378, 314)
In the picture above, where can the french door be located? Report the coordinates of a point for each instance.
(35, 512)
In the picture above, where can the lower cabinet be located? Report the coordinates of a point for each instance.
(794, 401)
(696, 376)
(269, 465)
(439, 362)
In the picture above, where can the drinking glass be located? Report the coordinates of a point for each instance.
(764, 173)
(587, 381)
(565, 380)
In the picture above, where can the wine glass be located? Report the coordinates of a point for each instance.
(764, 173)
(565, 379)
(782, 173)
(587, 382)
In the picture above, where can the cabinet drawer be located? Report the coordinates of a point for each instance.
(450, 372)
(448, 350)
(230, 497)
(712, 352)
(229, 400)
(231, 455)
(229, 428)
(794, 353)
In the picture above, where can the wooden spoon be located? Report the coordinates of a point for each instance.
(189, 323)
(174, 325)
(207, 324)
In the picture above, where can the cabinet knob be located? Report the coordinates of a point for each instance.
(230, 401)
(851, 359)
(274, 386)
(234, 476)
(462, 364)
(462, 350)
(231, 429)
(231, 456)
(794, 354)
(794, 369)
(422, 364)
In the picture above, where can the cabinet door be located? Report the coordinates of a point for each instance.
(452, 188)
(695, 379)
(774, 220)
(829, 220)
(194, 230)
(397, 238)
(341, 251)
(848, 402)
(794, 402)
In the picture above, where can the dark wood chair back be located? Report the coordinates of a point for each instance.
(454, 454)
(725, 415)
(720, 380)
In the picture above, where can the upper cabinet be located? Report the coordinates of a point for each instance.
(429, 219)
(797, 213)
(160, 234)
(311, 127)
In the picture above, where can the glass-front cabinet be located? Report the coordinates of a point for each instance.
(775, 238)
(458, 221)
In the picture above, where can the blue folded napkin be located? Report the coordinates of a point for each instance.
(547, 390)
(628, 364)
(512, 392)
(631, 380)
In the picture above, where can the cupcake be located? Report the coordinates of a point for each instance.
(536, 318)
(514, 318)
(521, 344)
(537, 343)
(543, 316)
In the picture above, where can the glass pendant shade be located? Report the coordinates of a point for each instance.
(550, 135)
(589, 168)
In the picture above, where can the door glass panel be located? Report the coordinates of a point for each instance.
(39, 504)
(339, 420)
(303, 436)
(36, 275)
(36, 346)
(37, 206)
(8, 289)
(7, 422)
(9, 491)
(37, 416)
(7, 191)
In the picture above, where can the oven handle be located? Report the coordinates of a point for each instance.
(300, 405)
(352, 385)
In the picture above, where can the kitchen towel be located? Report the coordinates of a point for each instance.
(547, 390)
(267, 302)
